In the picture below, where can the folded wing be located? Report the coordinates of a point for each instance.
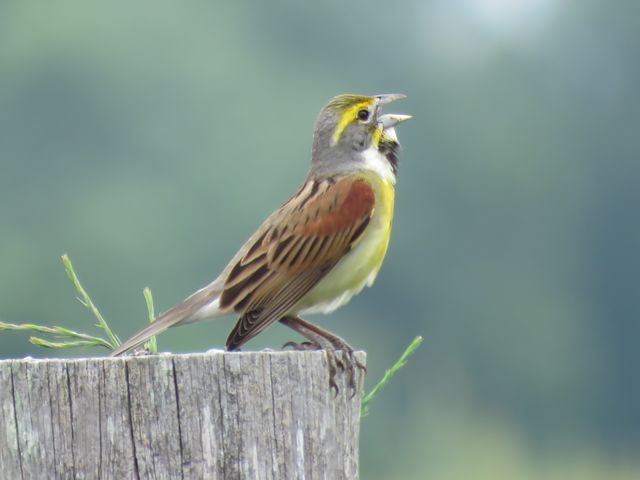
(300, 244)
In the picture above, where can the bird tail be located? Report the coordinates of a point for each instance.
(199, 306)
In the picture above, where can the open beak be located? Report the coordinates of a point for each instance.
(389, 97)
(392, 119)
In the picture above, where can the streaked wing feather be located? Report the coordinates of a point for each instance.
(303, 241)
(256, 320)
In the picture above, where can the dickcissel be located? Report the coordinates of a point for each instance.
(321, 247)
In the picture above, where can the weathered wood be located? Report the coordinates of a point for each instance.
(219, 415)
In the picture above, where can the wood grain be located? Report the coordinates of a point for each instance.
(219, 415)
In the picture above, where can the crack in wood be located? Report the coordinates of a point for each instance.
(265, 415)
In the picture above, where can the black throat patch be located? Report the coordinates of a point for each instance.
(391, 151)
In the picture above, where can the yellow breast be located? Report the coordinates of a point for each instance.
(361, 264)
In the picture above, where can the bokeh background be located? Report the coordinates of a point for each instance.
(148, 139)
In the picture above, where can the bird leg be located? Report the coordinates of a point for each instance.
(321, 339)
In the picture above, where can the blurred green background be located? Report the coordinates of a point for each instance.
(148, 139)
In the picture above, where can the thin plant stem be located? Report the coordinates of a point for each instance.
(86, 301)
(58, 332)
(41, 342)
(152, 344)
(402, 361)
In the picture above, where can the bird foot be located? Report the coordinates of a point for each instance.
(343, 357)
(340, 356)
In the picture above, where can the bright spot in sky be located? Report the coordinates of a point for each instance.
(509, 16)
(468, 32)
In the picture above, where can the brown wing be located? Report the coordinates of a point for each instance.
(300, 244)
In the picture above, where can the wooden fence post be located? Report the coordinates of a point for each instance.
(218, 415)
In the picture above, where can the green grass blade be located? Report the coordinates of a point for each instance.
(388, 375)
(84, 298)
(78, 343)
(80, 339)
(150, 345)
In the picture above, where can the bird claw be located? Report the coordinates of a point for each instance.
(340, 357)
(339, 354)
(345, 360)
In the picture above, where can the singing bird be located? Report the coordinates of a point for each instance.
(321, 247)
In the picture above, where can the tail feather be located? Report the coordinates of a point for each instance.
(200, 306)
(154, 328)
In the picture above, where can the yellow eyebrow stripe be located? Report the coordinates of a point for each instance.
(349, 115)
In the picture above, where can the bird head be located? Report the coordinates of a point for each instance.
(351, 124)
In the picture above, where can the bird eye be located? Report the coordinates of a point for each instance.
(363, 115)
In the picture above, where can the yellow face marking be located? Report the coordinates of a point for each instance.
(349, 115)
(377, 135)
